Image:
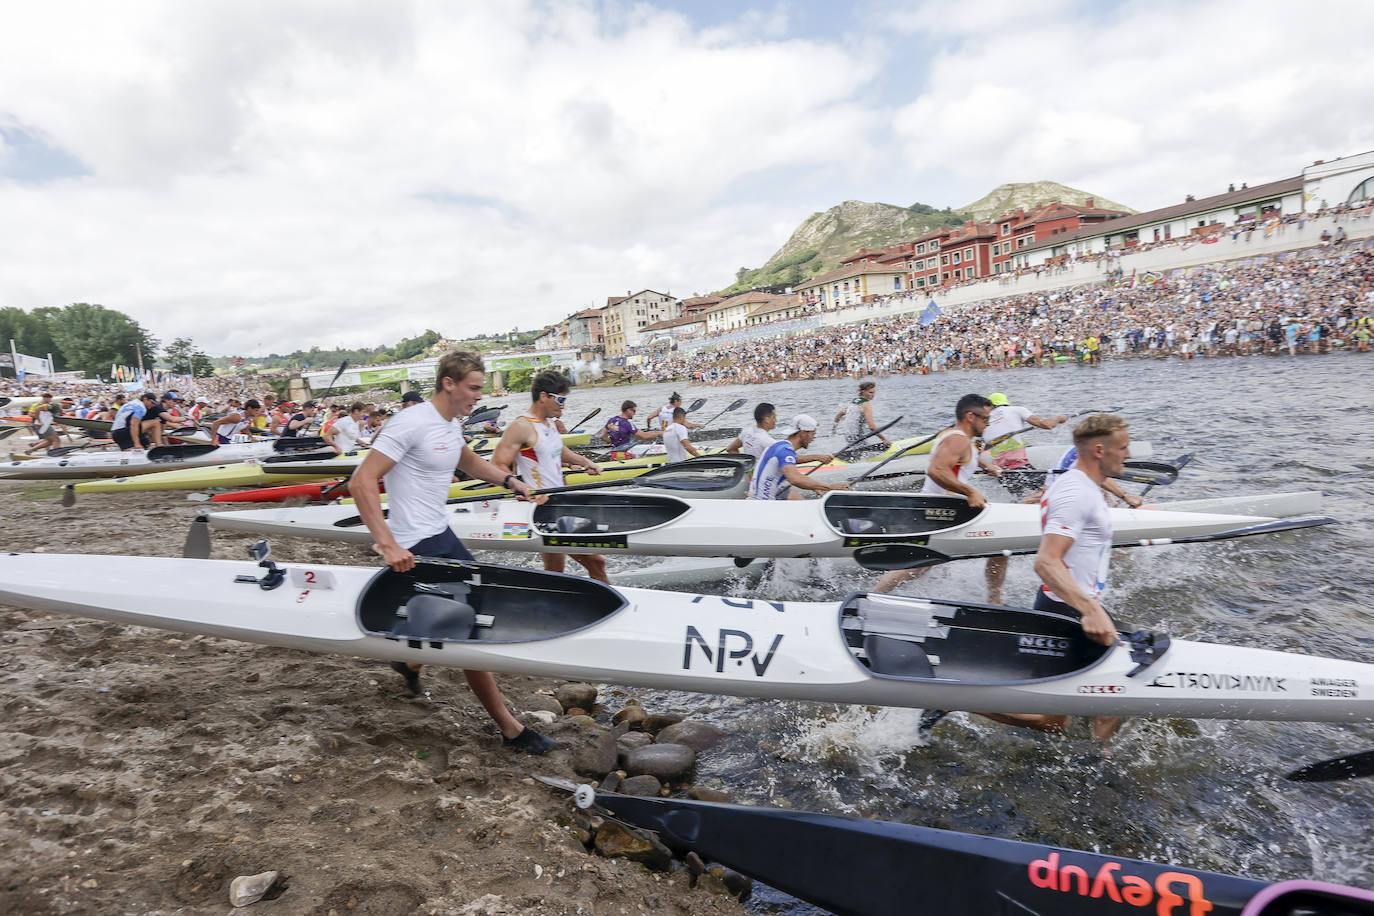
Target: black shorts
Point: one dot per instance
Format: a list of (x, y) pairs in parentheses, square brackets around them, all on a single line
[(444, 544), (125, 439), (1043, 602)]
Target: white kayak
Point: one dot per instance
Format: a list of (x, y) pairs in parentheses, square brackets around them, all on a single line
[(868, 649), (162, 458), (687, 572), (653, 523)]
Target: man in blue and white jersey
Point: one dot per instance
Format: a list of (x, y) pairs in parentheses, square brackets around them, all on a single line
[(776, 472)]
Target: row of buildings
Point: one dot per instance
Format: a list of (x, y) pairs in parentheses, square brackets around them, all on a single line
[(1020, 240)]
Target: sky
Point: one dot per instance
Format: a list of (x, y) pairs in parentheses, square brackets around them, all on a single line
[(267, 175)]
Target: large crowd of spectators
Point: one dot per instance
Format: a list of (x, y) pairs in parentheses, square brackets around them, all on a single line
[(1295, 303)]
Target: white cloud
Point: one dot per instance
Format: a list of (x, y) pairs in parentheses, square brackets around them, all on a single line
[(1142, 103), (299, 173)]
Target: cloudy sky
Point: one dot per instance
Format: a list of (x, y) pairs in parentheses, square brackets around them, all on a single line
[(262, 176)]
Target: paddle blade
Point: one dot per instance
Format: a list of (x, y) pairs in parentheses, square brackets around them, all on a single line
[(1154, 473), (197, 546), (1351, 766), (696, 405), (886, 557), (68, 496)]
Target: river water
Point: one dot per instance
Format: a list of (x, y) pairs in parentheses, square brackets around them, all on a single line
[(1205, 794)]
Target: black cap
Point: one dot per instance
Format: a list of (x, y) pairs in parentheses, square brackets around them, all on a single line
[(152, 396), (412, 397)]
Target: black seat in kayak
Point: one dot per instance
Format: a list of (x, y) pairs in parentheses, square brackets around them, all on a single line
[(431, 617), (897, 657), (573, 524), (861, 526)]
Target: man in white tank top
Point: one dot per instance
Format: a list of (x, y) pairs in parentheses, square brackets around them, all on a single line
[(954, 459), (533, 450)]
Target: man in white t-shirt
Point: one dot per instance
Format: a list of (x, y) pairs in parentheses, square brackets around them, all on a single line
[(416, 454), (346, 431), (675, 438), (1076, 546), (756, 439)]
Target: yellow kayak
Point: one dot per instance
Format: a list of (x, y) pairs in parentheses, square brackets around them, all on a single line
[(240, 474)]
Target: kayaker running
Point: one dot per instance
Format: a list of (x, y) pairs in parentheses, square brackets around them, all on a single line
[(855, 420), (775, 473), (1008, 452), (532, 449), (954, 458), (620, 431), (416, 454), (665, 413), (1075, 549)]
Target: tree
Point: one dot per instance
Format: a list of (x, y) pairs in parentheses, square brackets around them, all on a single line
[(92, 337), (30, 332), (183, 358)]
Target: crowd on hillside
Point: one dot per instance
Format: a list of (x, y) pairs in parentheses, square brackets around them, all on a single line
[(1308, 303)]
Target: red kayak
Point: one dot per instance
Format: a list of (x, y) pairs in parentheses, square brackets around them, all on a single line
[(337, 489)]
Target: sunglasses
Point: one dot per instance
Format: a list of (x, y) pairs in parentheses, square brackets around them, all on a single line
[(560, 399), (985, 417)]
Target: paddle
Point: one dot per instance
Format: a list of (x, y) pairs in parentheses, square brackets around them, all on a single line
[(873, 470), (8, 431), (1179, 464), (579, 423), (482, 416), (708, 468), (851, 446), (1025, 429), (734, 405), (342, 366), (1154, 473), (692, 408), (1349, 766), (884, 557), (715, 472)]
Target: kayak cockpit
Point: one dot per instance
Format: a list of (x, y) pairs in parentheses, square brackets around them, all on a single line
[(924, 639), (451, 601), (606, 513), (876, 517)]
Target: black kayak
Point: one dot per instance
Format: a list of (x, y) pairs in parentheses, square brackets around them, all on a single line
[(856, 867)]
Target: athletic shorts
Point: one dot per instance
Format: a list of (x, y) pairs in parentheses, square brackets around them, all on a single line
[(125, 439), (1043, 602), (444, 544)]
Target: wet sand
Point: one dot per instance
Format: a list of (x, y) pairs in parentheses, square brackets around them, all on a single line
[(142, 770)]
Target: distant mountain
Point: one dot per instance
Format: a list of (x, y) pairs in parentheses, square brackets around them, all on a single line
[(824, 239), (1028, 194)]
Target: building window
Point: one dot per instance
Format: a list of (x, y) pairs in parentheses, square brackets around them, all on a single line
[(1168, 231), (1363, 191), (935, 246), (957, 254), (968, 273), (1006, 228), (944, 260), (896, 282)]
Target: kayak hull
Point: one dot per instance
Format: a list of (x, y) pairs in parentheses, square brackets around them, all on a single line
[(975, 657), (131, 463), (644, 522)]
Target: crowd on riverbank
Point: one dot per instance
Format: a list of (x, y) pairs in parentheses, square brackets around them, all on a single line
[(1292, 304)]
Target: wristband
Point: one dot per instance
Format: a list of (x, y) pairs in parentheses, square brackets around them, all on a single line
[(506, 482)]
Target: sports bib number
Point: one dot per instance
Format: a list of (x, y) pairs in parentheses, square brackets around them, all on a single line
[(311, 578)]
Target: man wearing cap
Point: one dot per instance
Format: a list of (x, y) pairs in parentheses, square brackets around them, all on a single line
[(297, 423), (411, 398), (127, 428), (776, 474), (1005, 447)]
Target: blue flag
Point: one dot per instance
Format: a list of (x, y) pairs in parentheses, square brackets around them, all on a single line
[(930, 314)]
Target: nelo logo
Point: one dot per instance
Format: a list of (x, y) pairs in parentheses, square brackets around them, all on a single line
[(1043, 642), (1137, 891), (1101, 688)]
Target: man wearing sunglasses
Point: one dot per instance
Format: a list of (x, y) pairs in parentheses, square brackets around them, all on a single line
[(954, 459), (532, 449)]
